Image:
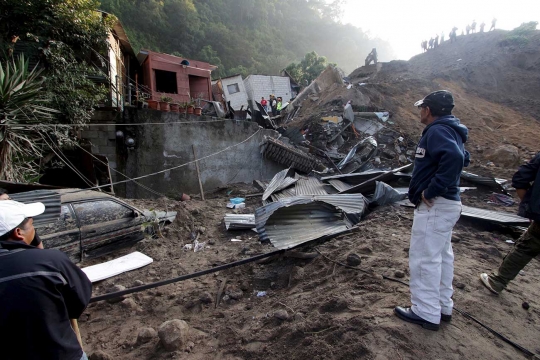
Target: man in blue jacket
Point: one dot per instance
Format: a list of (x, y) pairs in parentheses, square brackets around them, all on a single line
[(528, 245), (434, 189)]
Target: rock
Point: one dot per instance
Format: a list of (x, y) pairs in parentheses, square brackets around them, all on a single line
[(190, 345), (377, 160), (234, 293), (244, 286), (145, 335), (525, 305), (399, 274), (398, 149), (206, 298), (353, 259), (402, 159), (202, 229), (410, 152), (129, 304), (116, 288), (281, 315), (100, 355), (211, 242), (460, 286), (389, 154), (138, 283), (505, 155), (173, 334)]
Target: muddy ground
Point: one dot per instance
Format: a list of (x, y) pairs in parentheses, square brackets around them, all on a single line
[(332, 312)]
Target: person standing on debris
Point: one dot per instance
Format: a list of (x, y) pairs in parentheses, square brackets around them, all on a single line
[(482, 25), (442, 37), (273, 104), (453, 34), (527, 246), (436, 41), (279, 105), (468, 29), (424, 45), (430, 43), (40, 291), (372, 56), (473, 27), (493, 23), (264, 104), (434, 189)]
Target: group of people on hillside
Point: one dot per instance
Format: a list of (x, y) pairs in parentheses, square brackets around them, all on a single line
[(469, 29), (272, 106)]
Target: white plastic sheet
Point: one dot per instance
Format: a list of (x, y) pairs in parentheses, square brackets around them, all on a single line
[(117, 266)]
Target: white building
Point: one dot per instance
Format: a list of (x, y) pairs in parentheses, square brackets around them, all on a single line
[(258, 86), (234, 91)]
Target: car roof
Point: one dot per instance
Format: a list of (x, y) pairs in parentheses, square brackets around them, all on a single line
[(72, 195)]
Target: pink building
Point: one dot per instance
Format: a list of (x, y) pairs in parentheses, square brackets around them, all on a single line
[(175, 77)]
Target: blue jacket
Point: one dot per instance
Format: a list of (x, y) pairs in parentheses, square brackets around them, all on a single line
[(527, 174), (440, 158)]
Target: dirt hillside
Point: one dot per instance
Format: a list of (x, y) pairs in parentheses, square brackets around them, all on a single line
[(315, 308)]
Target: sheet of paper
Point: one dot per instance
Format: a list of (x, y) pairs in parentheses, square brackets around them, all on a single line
[(117, 266)]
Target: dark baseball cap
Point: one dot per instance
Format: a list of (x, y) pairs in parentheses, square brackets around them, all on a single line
[(441, 100)]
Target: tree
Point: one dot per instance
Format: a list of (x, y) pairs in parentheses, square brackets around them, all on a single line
[(308, 69)]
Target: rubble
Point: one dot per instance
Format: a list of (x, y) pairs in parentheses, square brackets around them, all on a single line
[(173, 334)]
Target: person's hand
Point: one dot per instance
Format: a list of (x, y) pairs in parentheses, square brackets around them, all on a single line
[(428, 202)]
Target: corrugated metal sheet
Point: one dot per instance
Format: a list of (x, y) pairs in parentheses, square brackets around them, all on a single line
[(239, 221), (49, 198), (285, 193), (354, 205), (339, 185), (498, 217), (484, 180), (281, 180), (294, 221), (368, 186), (310, 186)]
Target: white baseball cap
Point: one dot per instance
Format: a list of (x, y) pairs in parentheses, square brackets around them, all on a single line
[(13, 213)]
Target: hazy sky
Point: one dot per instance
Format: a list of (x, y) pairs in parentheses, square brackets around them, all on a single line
[(405, 23)]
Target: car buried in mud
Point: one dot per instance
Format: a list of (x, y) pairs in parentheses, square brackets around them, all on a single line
[(86, 224)]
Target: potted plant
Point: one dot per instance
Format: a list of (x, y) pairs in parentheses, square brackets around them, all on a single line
[(175, 106), (191, 107), (198, 108), (164, 103), (153, 104)]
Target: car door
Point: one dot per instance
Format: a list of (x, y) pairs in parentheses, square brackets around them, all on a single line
[(107, 225), (62, 234)]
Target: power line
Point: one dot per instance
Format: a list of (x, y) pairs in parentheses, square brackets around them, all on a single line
[(117, 124)]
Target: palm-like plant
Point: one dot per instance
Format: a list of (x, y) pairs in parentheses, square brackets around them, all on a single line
[(22, 104)]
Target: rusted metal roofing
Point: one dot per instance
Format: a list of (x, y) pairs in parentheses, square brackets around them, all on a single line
[(49, 198), (310, 186), (239, 221), (281, 180), (294, 221), (354, 205)]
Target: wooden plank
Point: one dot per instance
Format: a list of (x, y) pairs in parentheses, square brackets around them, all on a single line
[(198, 172)]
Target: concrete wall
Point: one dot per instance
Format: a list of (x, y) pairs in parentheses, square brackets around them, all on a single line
[(103, 137), (258, 86), (160, 147), (238, 99)]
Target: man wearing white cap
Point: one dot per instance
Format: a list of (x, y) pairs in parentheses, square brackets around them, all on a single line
[(40, 291)]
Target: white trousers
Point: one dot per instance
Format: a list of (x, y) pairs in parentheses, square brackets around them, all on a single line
[(431, 259)]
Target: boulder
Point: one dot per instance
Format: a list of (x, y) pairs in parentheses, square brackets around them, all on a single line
[(145, 335), (353, 259), (173, 334), (505, 155), (100, 355)]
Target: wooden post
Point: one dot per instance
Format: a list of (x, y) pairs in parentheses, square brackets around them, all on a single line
[(198, 172)]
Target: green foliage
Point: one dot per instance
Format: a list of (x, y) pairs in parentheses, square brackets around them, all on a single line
[(308, 69), (67, 36), (245, 36), (22, 102), (520, 36)]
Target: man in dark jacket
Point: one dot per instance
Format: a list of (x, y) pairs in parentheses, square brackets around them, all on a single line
[(528, 245), (40, 291), (434, 189)]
